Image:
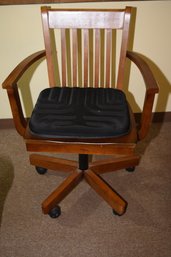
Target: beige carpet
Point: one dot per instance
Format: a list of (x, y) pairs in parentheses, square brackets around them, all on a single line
[(87, 226)]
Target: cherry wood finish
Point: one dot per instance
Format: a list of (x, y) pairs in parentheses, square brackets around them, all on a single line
[(86, 20), (106, 192), (79, 147), (62, 191), (85, 30), (52, 163), (114, 164)]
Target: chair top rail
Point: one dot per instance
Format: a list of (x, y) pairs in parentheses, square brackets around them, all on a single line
[(87, 19)]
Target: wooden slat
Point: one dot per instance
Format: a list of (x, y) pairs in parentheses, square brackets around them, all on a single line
[(91, 57), (102, 56), (47, 40), (108, 56), (74, 56), (86, 47), (63, 48), (124, 45), (80, 57), (68, 56), (113, 58), (97, 56)]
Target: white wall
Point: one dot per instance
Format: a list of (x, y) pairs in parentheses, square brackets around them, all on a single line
[(21, 35)]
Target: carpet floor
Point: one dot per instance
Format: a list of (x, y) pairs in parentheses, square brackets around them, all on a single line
[(87, 226)]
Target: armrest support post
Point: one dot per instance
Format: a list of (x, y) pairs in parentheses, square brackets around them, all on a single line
[(10, 84), (151, 90), (15, 103), (146, 115)]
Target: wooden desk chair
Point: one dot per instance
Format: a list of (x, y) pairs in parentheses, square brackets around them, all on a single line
[(83, 111)]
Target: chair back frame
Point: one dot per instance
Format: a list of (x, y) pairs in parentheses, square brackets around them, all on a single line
[(83, 24)]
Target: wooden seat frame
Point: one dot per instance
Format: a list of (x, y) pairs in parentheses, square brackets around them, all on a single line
[(122, 149)]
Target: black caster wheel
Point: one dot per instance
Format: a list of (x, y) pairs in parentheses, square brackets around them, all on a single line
[(116, 214), (41, 170), (130, 169), (55, 212)]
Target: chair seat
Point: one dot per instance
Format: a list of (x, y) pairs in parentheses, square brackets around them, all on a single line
[(80, 113)]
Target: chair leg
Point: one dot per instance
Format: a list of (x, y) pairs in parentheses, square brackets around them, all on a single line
[(106, 192), (52, 163), (92, 176), (115, 164), (62, 191)]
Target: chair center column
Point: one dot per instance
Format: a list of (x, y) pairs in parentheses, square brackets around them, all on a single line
[(83, 161)]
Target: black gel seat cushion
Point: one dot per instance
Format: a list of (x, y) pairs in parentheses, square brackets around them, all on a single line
[(80, 113)]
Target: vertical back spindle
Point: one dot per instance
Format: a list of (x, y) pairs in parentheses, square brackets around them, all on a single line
[(97, 56), (108, 56), (102, 56), (63, 47), (74, 56), (86, 48)]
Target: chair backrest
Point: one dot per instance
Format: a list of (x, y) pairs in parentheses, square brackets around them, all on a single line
[(87, 42)]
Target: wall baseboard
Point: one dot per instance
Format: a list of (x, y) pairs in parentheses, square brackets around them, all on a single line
[(157, 117), (6, 124)]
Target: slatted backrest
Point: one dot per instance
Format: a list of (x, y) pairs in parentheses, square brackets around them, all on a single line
[(87, 45)]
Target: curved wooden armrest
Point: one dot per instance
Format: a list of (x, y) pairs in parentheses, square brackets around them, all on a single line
[(10, 84), (151, 89), (19, 70)]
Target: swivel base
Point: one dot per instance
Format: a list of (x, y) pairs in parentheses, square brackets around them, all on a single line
[(90, 172)]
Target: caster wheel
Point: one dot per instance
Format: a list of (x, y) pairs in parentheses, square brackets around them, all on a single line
[(41, 170), (130, 169), (55, 212), (116, 214)]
